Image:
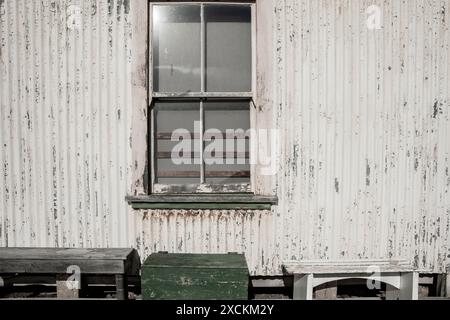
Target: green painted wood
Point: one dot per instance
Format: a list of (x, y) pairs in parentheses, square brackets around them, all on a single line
[(205, 202), (235, 261), (201, 206), (195, 277), (205, 198), (57, 260)]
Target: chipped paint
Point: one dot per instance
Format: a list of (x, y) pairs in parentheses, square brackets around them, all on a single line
[(363, 117), (62, 158)]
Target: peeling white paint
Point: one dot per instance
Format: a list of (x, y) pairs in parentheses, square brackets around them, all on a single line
[(363, 116)]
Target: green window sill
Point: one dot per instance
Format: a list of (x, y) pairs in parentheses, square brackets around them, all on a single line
[(203, 202)]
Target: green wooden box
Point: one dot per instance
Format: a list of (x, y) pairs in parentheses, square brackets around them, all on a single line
[(195, 277)]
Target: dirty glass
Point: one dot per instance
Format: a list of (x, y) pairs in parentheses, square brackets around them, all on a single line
[(177, 147), (228, 48), (227, 142), (176, 48)]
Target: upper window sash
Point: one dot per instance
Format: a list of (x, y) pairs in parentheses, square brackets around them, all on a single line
[(208, 53)]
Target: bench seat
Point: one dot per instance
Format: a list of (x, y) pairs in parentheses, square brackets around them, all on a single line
[(35, 262)]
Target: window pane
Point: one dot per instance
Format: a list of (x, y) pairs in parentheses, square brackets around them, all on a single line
[(226, 142), (176, 48), (228, 48), (176, 151)]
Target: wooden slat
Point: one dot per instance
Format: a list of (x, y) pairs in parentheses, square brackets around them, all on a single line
[(201, 206), (50, 279), (57, 261), (63, 253), (91, 266), (342, 267), (216, 198)]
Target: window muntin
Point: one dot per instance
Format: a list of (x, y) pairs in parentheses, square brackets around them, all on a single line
[(202, 83)]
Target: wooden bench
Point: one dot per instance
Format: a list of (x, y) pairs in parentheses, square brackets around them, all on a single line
[(63, 265), (311, 274)]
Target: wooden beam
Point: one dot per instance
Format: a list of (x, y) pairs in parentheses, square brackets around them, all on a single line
[(205, 198), (59, 261), (200, 206), (121, 287)]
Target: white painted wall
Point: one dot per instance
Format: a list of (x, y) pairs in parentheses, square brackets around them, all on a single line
[(363, 115)]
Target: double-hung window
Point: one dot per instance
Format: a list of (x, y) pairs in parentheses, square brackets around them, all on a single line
[(201, 87)]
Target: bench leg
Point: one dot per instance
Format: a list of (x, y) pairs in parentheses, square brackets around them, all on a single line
[(121, 287), (303, 287), (409, 286)]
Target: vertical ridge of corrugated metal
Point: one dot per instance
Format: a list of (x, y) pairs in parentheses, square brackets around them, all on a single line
[(363, 116), (208, 231), (65, 123)]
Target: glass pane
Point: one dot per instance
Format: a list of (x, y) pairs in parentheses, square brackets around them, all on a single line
[(228, 48), (227, 145), (176, 48), (177, 147)]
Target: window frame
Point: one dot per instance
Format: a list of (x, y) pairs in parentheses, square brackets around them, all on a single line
[(200, 188)]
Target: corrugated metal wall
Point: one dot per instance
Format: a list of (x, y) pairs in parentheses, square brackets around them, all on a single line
[(363, 115), (65, 122), (210, 231)]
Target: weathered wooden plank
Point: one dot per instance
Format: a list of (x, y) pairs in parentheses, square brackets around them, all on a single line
[(201, 206), (195, 277), (121, 287), (64, 253), (62, 266), (50, 279), (51, 260), (207, 198), (342, 267), (206, 202), (204, 261)]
